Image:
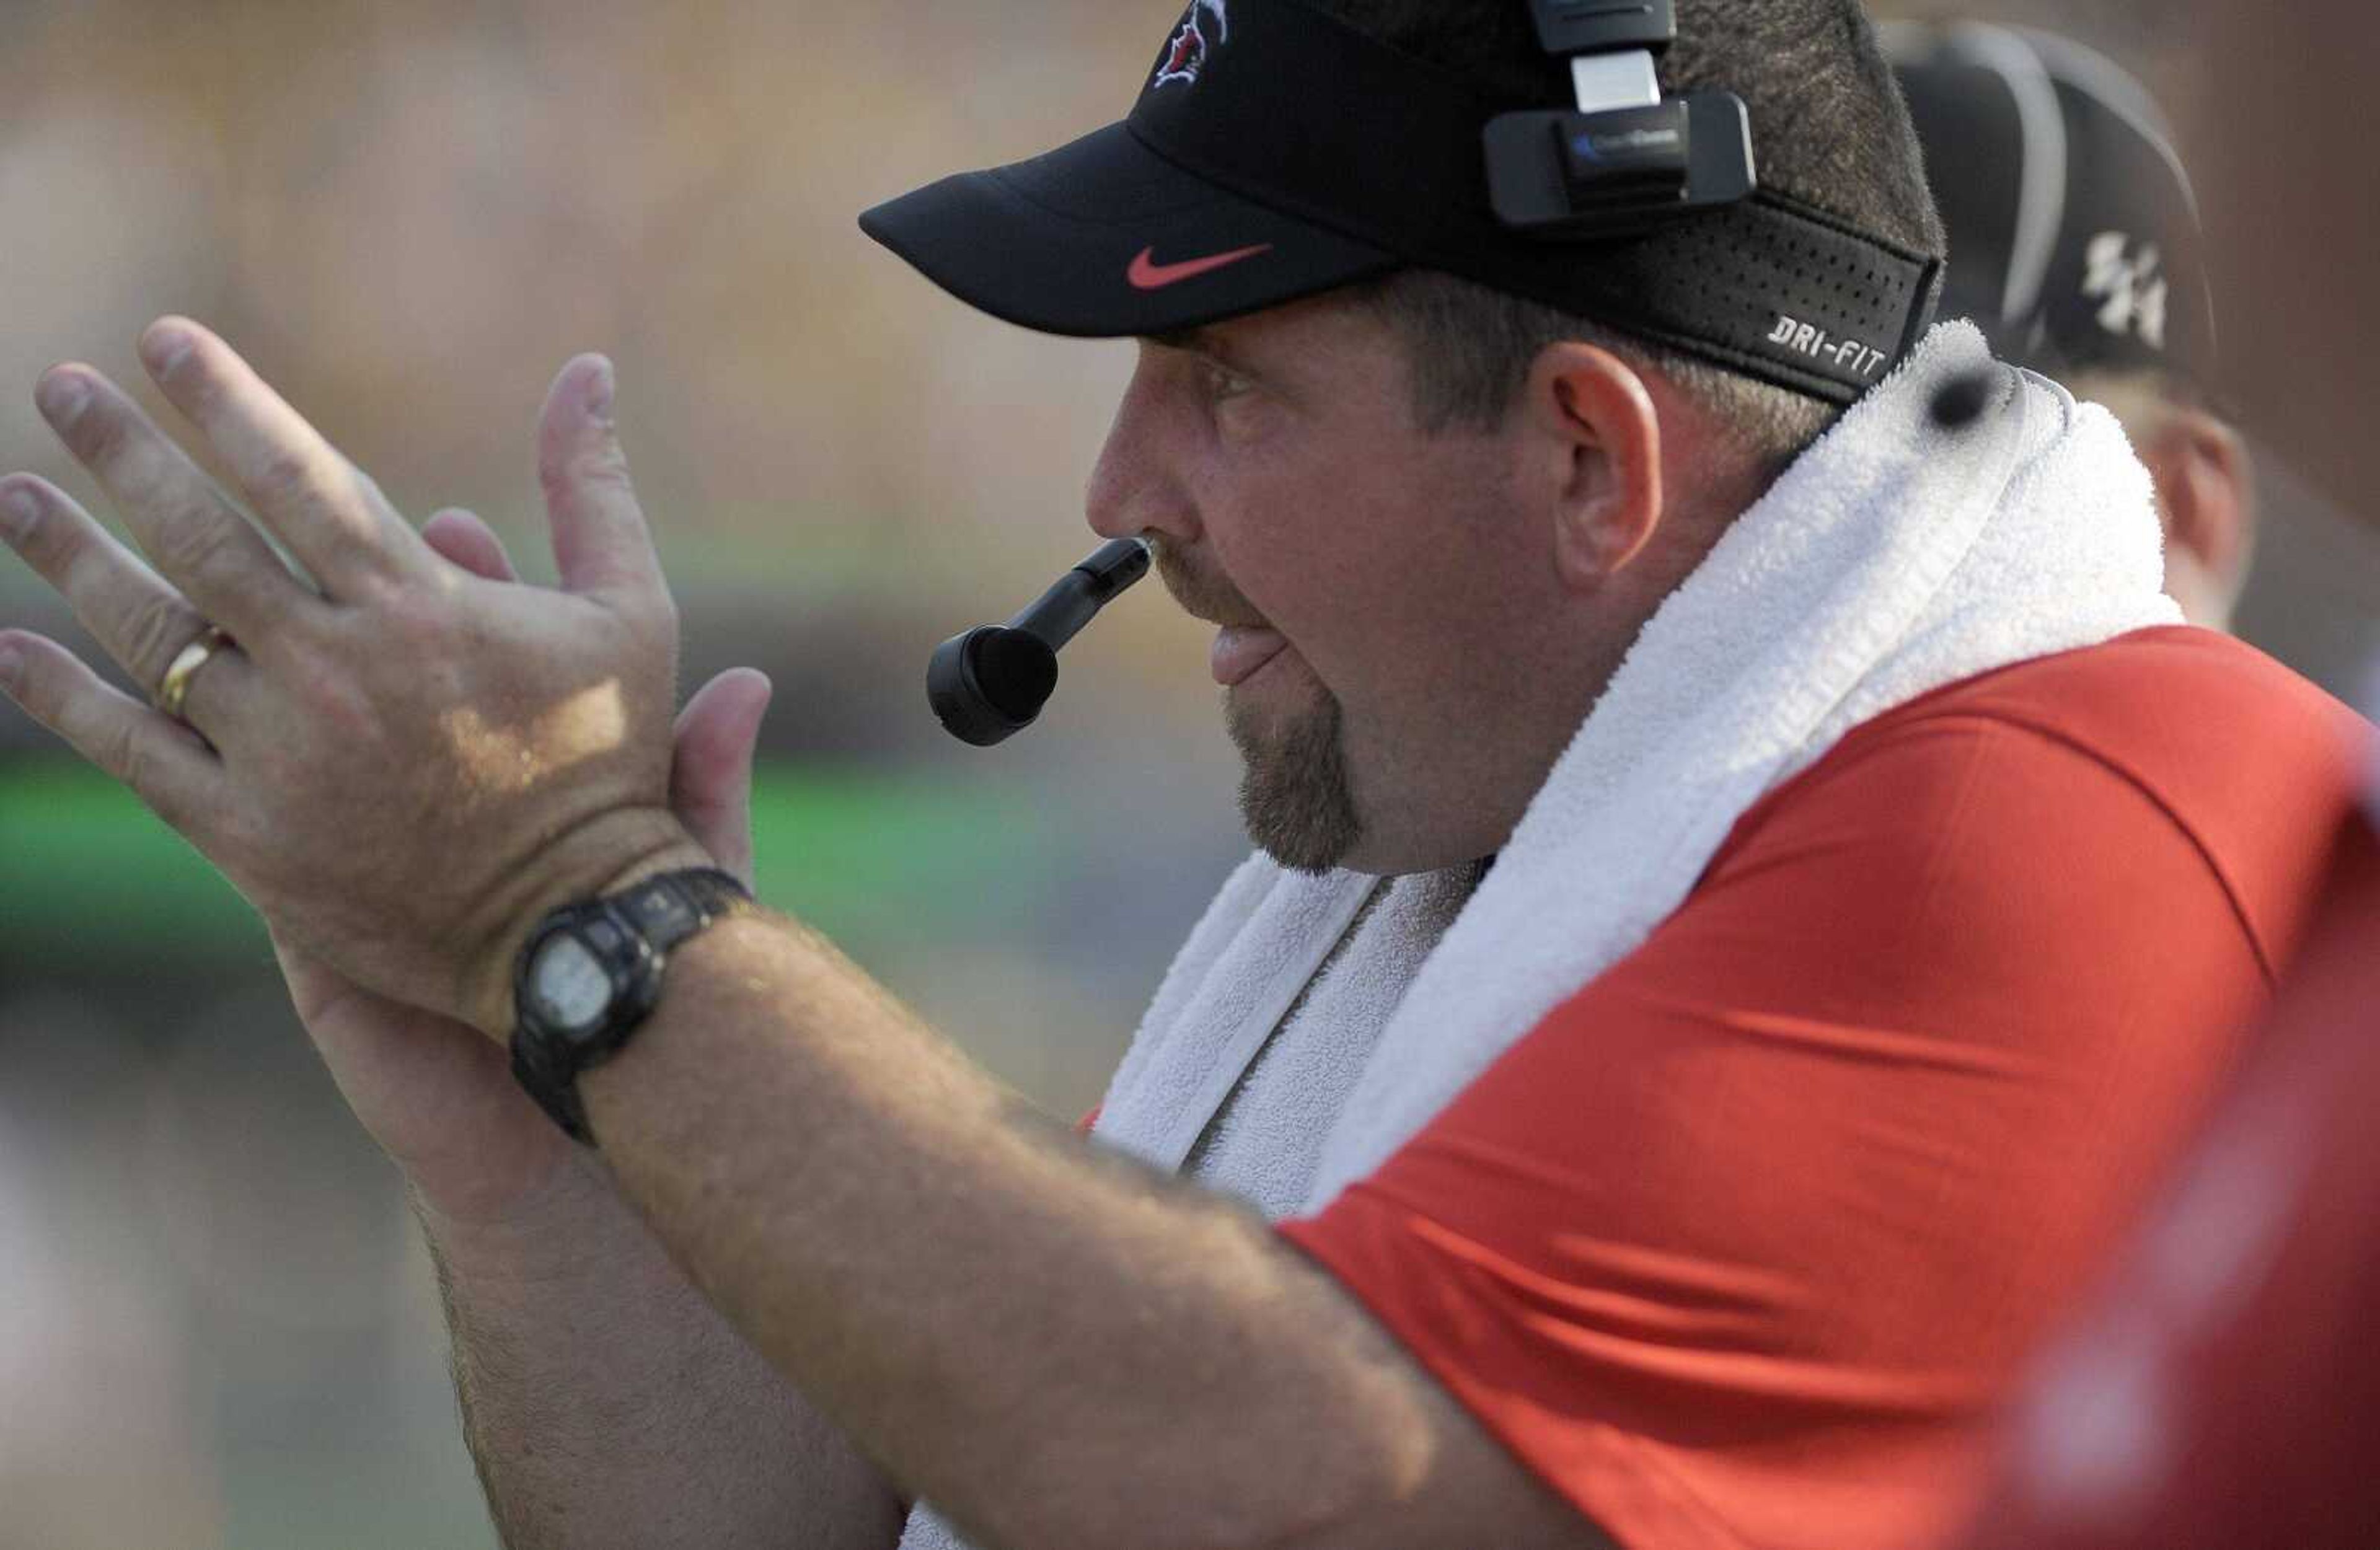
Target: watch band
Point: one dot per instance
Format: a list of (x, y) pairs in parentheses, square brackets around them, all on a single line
[(556, 1094), (668, 909), (632, 934)]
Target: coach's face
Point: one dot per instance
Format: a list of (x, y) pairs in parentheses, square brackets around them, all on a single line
[(1404, 652)]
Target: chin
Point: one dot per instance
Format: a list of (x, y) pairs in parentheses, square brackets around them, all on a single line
[(1297, 798)]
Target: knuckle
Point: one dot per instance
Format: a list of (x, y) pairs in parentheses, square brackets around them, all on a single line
[(602, 469), (145, 469), (87, 564), (557, 479), (284, 477), (37, 690), (333, 699), (200, 387), (101, 438), (643, 628), (419, 618), (315, 685), (388, 600), (197, 542), (367, 488), (51, 544), (123, 753), (606, 466), (153, 630)]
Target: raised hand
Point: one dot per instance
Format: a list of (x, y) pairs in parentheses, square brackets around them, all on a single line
[(439, 1097), (404, 764)]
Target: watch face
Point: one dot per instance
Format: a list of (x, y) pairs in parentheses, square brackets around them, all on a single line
[(571, 988)]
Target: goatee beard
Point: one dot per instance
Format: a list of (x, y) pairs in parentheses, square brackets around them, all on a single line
[(1295, 796)]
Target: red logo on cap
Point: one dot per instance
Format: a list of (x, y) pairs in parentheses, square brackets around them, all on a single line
[(1148, 274), (1187, 54)]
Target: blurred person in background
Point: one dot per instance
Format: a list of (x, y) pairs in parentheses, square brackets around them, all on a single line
[(2075, 246), (1692, 1023), (2295, 241), (2220, 1389)]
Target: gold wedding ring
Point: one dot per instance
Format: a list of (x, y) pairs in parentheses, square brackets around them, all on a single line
[(198, 654)]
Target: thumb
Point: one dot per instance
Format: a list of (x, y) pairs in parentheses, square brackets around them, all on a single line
[(711, 784), (461, 538), (600, 542)]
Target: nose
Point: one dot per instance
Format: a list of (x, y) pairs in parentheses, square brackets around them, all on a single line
[(1136, 486)]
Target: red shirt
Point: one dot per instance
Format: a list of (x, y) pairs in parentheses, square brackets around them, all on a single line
[(1742, 1245), (2224, 1390)]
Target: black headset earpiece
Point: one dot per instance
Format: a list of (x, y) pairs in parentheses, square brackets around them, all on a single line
[(1627, 158)]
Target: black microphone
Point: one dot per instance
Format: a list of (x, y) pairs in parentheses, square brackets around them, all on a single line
[(990, 683)]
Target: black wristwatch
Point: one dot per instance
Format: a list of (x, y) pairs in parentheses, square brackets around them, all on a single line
[(590, 975)]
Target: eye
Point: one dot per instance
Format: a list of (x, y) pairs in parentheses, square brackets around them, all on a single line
[(1221, 384)]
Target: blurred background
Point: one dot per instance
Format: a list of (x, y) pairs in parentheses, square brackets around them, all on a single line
[(217, 1326)]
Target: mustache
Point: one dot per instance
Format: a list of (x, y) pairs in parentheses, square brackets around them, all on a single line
[(1202, 594)]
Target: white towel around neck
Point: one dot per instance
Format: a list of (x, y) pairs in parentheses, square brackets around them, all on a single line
[(1895, 557)]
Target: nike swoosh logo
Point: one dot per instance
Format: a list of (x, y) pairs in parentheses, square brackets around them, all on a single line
[(1148, 274)]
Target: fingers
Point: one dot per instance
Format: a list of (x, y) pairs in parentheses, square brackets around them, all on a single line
[(333, 518), (600, 542), (136, 618), (173, 511), (461, 538), (711, 785), (166, 765)]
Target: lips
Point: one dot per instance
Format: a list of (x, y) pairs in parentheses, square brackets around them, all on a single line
[(1242, 649)]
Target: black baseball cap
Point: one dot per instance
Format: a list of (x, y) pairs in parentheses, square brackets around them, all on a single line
[(1276, 152), (2075, 240)]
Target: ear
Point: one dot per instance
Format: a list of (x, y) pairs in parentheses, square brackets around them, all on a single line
[(2205, 483), (1598, 441)]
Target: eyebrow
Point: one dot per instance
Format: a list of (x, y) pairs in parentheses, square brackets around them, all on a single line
[(1200, 341)]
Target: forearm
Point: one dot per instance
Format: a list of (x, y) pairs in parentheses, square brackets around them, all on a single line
[(1056, 1346), (607, 1404)]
